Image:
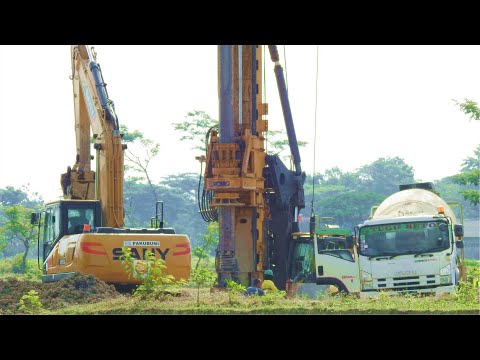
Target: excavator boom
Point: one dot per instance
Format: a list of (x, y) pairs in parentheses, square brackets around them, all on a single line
[(95, 114)]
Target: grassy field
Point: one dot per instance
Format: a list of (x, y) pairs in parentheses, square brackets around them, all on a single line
[(72, 301), (222, 304)]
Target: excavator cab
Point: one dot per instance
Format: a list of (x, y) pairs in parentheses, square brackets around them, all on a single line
[(64, 217)]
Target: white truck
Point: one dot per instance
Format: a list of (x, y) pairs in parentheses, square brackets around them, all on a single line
[(411, 243)]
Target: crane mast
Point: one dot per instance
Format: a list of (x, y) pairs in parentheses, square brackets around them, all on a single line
[(256, 197), (95, 111), (235, 162)]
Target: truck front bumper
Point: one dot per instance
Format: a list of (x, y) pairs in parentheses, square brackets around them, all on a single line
[(436, 291)]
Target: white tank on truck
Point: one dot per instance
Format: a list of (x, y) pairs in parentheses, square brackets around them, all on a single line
[(412, 202)]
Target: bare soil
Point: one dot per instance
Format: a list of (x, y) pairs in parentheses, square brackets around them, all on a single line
[(77, 289)]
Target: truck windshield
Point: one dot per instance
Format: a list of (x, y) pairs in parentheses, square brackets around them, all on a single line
[(404, 238)]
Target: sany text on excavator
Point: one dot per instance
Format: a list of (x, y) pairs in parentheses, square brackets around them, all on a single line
[(85, 231)]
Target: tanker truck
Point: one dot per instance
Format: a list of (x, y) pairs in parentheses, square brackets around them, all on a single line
[(411, 243)]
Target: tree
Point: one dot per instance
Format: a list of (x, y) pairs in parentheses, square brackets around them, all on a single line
[(277, 142), (195, 128), (208, 243), (18, 228), (384, 175), (349, 196), (156, 282), (181, 209), (470, 178), (204, 275), (449, 190), (198, 123), (349, 208), (472, 162), (186, 183), (470, 108), (470, 174), (10, 196), (140, 163)]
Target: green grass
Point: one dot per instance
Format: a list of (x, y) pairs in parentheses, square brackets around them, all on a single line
[(465, 301), (218, 302), (10, 267), (472, 262)]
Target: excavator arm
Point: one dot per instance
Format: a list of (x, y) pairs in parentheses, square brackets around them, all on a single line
[(95, 113)]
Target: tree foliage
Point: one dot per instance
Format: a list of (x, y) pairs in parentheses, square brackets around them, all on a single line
[(198, 123), (470, 173), (470, 108), (472, 162), (180, 206), (277, 142), (20, 196), (384, 175), (349, 196), (30, 303), (18, 228), (450, 189), (471, 177), (156, 282), (139, 161), (349, 208), (208, 243), (195, 128)]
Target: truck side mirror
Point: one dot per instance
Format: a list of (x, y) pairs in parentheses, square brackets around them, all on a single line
[(458, 230), (33, 218), (459, 244), (349, 242)]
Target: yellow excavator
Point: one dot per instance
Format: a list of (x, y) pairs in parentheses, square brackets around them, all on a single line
[(84, 232)]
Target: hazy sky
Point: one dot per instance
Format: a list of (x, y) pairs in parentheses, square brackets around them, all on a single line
[(373, 101)]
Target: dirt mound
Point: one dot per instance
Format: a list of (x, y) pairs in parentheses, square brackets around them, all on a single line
[(76, 289)]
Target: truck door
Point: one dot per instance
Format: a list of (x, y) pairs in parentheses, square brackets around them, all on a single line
[(336, 265)]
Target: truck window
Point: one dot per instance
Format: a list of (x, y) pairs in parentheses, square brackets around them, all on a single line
[(401, 238)]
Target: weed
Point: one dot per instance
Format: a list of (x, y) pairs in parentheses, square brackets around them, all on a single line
[(156, 282), (30, 303), (202, 276), (234, 289)]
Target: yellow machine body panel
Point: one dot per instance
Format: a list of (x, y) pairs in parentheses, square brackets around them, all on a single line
[(99, 254)]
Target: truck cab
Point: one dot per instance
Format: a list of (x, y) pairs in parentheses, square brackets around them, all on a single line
[(411, 243), (331, 241), (408, 254)]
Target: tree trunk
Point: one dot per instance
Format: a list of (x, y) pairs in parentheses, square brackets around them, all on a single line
[(151, 186), (24, 259)]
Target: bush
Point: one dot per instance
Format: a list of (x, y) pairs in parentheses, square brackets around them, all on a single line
[(30, 303), (272, 297), (467, 292), (156, 283), (11, 267), (234, 290)]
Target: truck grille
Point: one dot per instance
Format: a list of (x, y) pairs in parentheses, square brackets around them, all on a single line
[(407, 282)]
